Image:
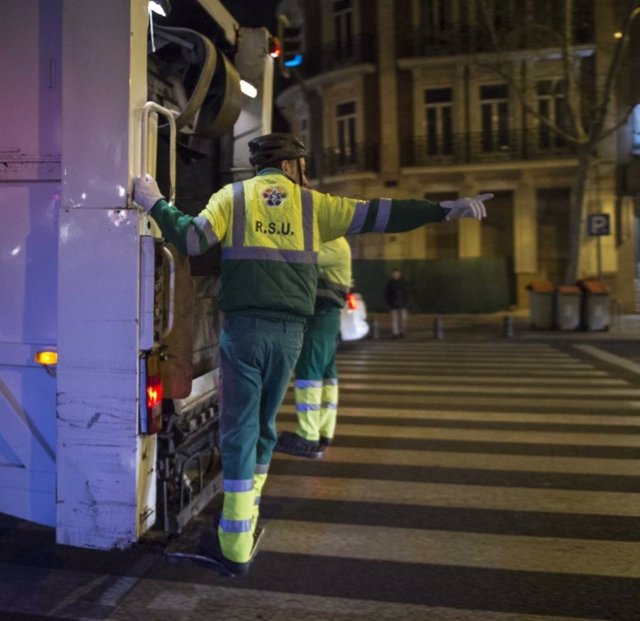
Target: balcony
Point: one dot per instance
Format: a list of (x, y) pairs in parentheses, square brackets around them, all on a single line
[(474, 40), (338, 55), (484, 148), (361, 157)]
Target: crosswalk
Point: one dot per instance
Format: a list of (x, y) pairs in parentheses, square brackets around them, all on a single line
[(503, 478), (469, 481)]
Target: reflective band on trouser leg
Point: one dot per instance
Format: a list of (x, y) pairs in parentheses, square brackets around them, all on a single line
[(329, 409), (235, 531), (259, 480), (308, 395)]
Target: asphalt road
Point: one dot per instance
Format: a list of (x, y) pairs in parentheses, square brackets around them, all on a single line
[(475, 478)]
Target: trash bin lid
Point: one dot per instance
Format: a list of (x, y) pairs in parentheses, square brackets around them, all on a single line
[(541, 286), (569, 290), (592, 285)]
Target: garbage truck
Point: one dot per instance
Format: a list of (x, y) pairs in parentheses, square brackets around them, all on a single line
[(108, 337)]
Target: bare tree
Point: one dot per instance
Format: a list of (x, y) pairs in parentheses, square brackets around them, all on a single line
[(587, 103)]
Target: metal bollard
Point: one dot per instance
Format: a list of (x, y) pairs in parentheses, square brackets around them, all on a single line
[(438, 328), (375, 329), (507, 326)]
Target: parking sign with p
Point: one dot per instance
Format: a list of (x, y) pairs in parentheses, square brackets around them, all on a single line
[(598, 224)]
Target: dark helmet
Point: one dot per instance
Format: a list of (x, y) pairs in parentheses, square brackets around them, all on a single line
[(270, 149)]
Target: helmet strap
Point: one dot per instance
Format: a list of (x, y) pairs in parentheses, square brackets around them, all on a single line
[(299, 172), (292, 176)]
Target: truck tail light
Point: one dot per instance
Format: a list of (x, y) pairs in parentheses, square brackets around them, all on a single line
[(352, 301), (152, 412)]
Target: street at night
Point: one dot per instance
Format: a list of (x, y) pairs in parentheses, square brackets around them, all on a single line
[(473, 478), (320, 310)]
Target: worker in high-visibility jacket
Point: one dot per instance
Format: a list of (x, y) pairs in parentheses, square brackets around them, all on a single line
[(270, 228), (316, 374)]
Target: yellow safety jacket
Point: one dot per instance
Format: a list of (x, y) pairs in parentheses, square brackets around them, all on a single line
[(334, 274), (271, 230)]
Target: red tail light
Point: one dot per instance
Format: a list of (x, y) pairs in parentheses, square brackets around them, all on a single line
[(352, 301), (154, 393), (154, 396)]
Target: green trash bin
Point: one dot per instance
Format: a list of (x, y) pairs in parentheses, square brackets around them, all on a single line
[(541, 304), (568, 307), (595, 305)]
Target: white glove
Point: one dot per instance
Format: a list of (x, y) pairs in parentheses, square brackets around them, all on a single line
[(466, 207), (146, 192)]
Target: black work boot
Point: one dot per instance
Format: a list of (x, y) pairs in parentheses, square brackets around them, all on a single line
[(293, 444)]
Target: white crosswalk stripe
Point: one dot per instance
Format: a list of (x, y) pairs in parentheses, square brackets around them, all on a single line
[(532, 433)]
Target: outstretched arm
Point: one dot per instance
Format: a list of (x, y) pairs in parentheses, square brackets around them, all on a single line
[(385, 215)]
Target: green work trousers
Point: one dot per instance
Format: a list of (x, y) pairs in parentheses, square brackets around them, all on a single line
[(316, 377), (257, 357)]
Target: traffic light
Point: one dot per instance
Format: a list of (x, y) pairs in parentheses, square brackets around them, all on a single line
[(291, 46), (291, 43)]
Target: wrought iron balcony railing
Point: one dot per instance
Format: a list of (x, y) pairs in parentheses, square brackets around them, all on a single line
[(472, 40), (336, 55), (360, 157), (482, 147)]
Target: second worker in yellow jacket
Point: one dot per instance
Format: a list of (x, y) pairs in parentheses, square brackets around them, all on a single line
[(316, 374)]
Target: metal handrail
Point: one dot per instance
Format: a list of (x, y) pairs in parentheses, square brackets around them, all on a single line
[(172, 292), (147, 109)]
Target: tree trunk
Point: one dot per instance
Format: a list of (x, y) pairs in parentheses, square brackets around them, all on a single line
[(577, 211)]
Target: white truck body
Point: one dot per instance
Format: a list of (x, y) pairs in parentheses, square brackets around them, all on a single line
[(74, 82)]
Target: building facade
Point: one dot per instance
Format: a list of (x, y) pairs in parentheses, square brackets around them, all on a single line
[(442, 98)]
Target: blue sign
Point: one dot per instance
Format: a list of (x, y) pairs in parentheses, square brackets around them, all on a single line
[(598, 224)]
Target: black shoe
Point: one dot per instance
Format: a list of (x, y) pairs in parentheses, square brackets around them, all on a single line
[(206, 551), (240, 569), (325, 442), (232, 567), (210, 547), (293, 444)]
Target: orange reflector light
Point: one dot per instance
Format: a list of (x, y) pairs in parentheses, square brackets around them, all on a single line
[(46, 357), (352, 302)]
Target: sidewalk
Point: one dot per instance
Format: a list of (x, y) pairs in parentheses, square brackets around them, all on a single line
[(514, 324)]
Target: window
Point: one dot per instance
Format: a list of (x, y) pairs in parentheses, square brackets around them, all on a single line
[(494, 107), (343, 27), (436, 16), (548, 12), (552, 105), (438, 119), (346, 126), (498, 17)]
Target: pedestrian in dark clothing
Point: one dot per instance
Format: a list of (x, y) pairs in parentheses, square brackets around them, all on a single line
[(397, 300)]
